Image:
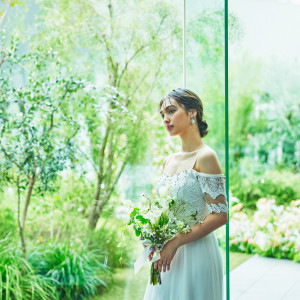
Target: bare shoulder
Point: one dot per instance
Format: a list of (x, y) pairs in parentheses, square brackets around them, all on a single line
[(208, 161)]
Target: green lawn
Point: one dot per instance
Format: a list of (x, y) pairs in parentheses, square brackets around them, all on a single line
[(125, 285)]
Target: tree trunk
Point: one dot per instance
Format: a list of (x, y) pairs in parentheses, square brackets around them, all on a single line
[(22, 222), (114, 79), (94, 215), (109, 188), (99, 205)]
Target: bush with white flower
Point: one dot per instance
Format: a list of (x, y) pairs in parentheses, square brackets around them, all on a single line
[(273, 230)]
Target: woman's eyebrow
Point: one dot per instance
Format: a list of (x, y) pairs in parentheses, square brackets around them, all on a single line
[(168, 107)]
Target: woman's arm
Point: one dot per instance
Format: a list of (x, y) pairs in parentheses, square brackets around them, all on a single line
[(212, 222), (210, 165), (198, 231)]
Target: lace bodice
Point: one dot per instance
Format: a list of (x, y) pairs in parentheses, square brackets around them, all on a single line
[(197, 194)]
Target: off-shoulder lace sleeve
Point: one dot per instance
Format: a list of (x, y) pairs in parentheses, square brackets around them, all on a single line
[(213, 188)]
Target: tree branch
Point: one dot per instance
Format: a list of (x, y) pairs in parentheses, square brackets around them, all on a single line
[(108, 174), (102, 152), (87, 158), (56, 108), (138, 85), (128, 61), (3, 60), (138, 51), (111, 189), (9, 156)]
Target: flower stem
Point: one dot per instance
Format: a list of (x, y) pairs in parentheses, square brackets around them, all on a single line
[(154, 275)]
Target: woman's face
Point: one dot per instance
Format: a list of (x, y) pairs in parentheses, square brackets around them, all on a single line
[(174, 117)]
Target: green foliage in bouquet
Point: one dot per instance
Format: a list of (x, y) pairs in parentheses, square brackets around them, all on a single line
[(154, 218), (154, 222)]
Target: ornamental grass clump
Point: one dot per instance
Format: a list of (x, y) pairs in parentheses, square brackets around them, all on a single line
[(17, 278), (74, 269)]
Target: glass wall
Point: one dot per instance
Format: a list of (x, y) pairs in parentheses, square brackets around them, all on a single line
[(264, 141), (205, 50)]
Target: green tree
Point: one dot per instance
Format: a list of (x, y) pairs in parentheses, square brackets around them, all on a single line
[(36, 128), (124, 43), (8, 40)]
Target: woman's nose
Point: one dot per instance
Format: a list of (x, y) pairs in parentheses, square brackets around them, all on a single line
[(166, 119)]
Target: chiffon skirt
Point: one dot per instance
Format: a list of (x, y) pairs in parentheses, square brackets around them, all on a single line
[(196, 273)]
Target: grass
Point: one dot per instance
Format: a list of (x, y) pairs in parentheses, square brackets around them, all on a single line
[(125, 285), (236, 258), (73, 269), (17, 278)]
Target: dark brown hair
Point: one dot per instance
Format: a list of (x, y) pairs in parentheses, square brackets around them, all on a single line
[(188, 101)]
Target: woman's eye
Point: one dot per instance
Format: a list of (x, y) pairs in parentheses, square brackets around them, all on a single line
[(170, 112)]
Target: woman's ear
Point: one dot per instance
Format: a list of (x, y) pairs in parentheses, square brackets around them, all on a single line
[(193, 113)]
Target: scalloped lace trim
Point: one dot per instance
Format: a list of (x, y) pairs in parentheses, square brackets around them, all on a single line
[(218, 208), (213, 186)]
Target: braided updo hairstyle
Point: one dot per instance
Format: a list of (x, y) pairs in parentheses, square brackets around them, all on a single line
[(188, 101)]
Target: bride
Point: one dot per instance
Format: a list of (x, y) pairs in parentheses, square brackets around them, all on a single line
[(190, 264)]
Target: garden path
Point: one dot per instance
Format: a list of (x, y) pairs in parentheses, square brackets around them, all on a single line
[(263, 278)]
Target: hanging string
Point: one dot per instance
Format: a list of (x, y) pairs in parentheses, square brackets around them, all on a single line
[(184, 43)]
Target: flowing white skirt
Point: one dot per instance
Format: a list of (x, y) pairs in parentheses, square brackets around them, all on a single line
[(196, 273)]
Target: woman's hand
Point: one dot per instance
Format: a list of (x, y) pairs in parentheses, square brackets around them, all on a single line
[(150, 255), (166, 256)]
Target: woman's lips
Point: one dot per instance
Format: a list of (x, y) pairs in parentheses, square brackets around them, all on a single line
[(169, 127)]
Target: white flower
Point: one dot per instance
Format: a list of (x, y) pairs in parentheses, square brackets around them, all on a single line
[(186, 230), (278, 209), (164, 203), (270, 227), (127, 203), (261, 239)]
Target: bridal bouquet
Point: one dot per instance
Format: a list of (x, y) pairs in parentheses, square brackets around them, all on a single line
[(155, 224)]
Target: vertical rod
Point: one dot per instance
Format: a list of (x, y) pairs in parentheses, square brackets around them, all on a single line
[(184, 43), (226, 146)]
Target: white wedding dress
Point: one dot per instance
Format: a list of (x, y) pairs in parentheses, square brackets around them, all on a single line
[(196, 271)]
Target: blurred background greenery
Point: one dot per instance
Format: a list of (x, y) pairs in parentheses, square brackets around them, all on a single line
[(80, 131)]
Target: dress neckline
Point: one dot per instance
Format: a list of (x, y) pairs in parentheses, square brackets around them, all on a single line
[(186, 170)]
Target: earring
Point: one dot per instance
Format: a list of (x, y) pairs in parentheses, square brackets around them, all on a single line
[(193, 120)]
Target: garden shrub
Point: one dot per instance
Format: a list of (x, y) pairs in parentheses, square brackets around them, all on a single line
[(75, 192), (17, 278), (283, 186), (73, 268), (108, 238), (272, 231), (8, 224)]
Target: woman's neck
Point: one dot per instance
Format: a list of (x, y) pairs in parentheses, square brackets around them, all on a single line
[(190, 140), (191, 148)]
